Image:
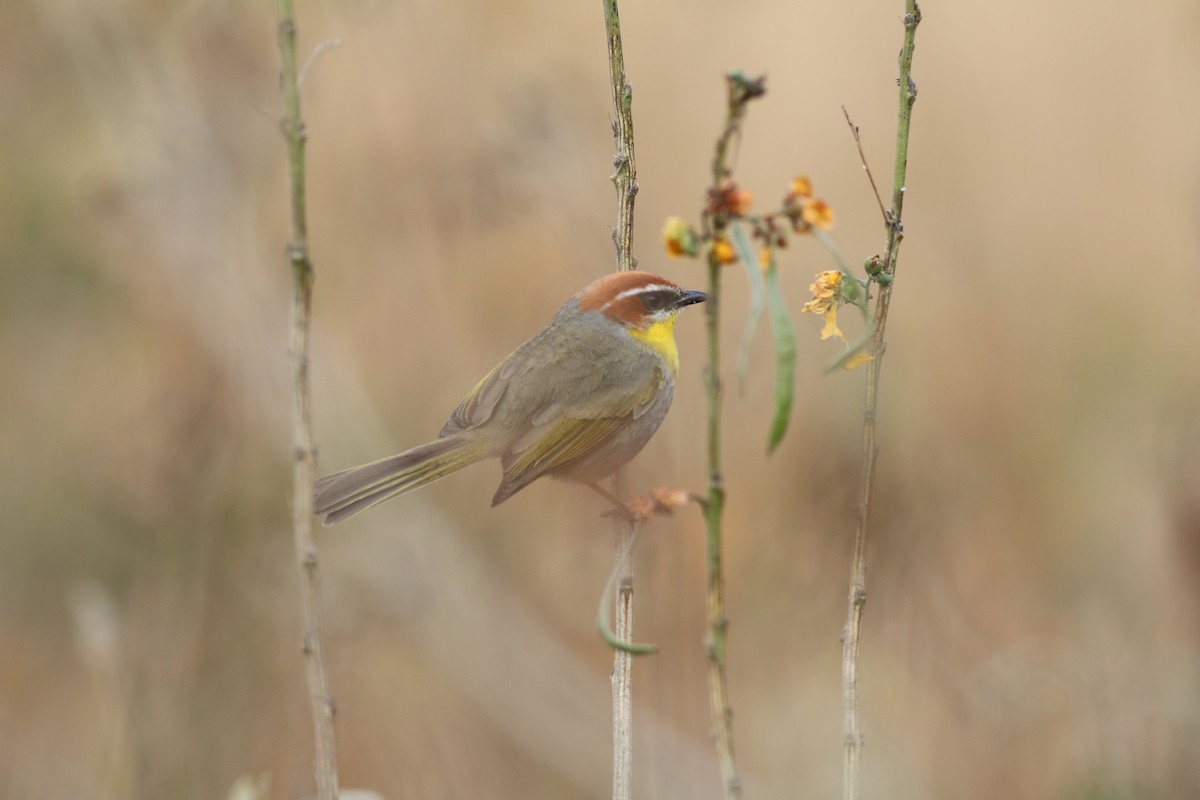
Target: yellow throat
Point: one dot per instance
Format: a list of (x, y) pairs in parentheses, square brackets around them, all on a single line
[(660, 337)]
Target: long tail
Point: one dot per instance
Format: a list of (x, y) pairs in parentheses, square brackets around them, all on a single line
[(346, 493)]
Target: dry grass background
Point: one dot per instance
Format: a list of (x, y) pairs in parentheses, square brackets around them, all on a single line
[(1032, 629)]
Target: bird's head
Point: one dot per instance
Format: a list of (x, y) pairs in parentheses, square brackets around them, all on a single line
[(637, 300), (646, 305)]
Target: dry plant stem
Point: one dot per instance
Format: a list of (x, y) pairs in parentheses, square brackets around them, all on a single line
[(866, 167), (718, 622), (851, 714), (625, 176), (320, 697), (622, 671), (625, 181)]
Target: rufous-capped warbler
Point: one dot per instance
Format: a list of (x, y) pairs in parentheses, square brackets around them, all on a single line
[(577, 401)]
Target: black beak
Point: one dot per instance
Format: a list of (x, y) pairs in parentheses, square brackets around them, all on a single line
[(690, 297)]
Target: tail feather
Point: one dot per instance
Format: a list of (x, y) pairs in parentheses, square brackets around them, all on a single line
[(346, 493)]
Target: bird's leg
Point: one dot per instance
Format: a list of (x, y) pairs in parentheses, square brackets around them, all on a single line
[(618, 506)]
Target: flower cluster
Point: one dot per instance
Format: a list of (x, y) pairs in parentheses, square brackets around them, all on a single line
[(801, 212), (805, 211)]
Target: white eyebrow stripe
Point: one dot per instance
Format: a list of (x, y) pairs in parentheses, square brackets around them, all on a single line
[(649, 287)]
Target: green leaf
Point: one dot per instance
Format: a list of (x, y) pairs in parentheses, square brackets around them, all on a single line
[(608, 605), (785, 356), (745, 252)]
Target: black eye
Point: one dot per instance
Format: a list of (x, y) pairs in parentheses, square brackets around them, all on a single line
[(658, 300)]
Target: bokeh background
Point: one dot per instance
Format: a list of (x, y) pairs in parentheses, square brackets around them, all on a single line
[(1033, 621)]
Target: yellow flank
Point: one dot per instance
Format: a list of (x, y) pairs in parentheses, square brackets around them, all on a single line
[(660, 337)]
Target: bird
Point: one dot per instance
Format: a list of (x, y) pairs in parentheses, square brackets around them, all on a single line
[(576, 402)]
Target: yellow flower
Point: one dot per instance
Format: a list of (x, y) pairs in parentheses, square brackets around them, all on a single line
[(723, 251), (827, 296), (826, 291), (801, 186), (818, 214), (831, 327), (679, 238)]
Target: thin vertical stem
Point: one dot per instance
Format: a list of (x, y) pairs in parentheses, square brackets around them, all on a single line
[(304, 462), (718, 621), (741, 91), (622, 671), (624, 178), (851, 709)]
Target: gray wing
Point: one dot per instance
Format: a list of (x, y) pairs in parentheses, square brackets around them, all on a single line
[(573, 371)]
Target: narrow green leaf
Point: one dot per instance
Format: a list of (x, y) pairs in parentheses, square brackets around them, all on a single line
[(785, 356), (608, 600), (745, 252)]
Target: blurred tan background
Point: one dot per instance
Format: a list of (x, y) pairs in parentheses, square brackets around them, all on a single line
[(1032, 627)]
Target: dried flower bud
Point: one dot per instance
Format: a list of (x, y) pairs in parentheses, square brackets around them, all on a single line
[(818, 214), (738, 200), (670, 498), (728, 199)]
